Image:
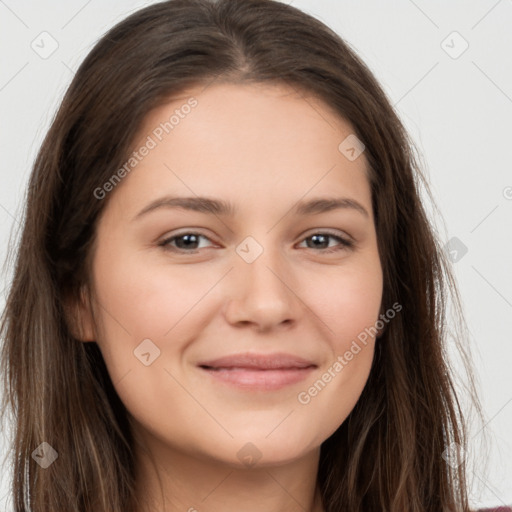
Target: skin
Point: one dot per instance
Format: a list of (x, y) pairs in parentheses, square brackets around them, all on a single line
[(263, 148)]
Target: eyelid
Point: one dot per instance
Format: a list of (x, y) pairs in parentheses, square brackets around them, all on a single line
[(187, 231), (346, 242), (328, 231)]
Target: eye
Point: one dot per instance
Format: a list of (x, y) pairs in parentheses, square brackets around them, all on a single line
[(320, 239), (190, 242), (186, 242)]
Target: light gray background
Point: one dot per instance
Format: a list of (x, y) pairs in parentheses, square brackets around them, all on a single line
[(458, 111)]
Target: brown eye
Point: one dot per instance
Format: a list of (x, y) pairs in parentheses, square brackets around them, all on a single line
[(321, 241), (185, 242)]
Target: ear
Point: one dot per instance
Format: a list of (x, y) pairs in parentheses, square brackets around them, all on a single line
[(79, 316), (380, 332)]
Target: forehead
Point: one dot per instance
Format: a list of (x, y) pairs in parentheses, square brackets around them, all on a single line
[(261, 142)]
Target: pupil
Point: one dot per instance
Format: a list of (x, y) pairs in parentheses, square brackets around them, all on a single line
[(316, 237), (189, 239)]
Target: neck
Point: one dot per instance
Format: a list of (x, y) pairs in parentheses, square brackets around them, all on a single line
[(168, 479)]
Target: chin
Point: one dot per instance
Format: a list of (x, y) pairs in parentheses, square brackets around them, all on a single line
[(258, 451)]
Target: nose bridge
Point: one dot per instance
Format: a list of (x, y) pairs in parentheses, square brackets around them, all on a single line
[(264, 274), (262, 294)]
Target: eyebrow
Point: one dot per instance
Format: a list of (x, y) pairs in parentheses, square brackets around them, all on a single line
[(220, 207)]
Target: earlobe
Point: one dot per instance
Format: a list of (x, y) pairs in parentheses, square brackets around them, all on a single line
[(380, 331), (79, 317)]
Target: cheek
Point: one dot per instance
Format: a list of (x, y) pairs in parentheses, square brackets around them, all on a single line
[(136, 301), (146, 300), (347, 300), (335, 390)]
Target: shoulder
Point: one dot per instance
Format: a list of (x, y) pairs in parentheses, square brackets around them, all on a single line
[(499, 509)]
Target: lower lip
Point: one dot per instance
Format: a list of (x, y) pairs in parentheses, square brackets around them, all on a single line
[(262, 380)]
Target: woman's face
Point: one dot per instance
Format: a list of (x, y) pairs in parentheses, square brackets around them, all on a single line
[(179, 283)]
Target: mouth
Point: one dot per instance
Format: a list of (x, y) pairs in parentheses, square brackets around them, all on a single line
[(259, 372)]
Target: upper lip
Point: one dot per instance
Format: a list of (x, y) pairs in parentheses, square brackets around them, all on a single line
[(258, 361)]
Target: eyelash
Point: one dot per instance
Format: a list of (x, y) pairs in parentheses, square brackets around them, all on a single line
[(344, 243)]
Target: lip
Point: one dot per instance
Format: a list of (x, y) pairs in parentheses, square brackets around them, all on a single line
[(263, 372), (254, 361)]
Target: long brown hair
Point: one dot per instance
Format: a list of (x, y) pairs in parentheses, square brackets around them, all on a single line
[(389, 454)]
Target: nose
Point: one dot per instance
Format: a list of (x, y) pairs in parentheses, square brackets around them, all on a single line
[(262, 294)]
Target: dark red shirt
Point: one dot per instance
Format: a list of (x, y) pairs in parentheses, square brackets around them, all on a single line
[(499, 509)]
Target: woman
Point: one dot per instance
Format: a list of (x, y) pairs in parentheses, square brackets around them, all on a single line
[(259, 370)]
